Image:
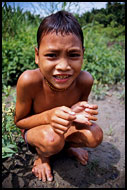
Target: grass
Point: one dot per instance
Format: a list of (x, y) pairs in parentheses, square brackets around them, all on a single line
[(110, 131)]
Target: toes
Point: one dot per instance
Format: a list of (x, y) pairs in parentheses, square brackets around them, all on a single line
[(83, 161), (43, 176), (86, 156), (43, 172), (49, 175), (40, 176), (35, 171), (32, 170), (83, 157)]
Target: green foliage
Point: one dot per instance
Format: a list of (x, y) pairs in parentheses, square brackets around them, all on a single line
[(9, 131), (115, 11), (14, 21), (17, 56), (105, 63), (18, 43)]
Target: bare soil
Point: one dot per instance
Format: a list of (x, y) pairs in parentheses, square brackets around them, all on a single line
[(106, 166)]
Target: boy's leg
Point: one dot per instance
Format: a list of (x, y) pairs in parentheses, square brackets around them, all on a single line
[(47, 143), (80, 135)]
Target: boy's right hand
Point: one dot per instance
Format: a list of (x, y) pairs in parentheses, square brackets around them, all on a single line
[(61, 119)]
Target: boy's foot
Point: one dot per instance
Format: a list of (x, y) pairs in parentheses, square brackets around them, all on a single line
[(79, 153), (42, 169)]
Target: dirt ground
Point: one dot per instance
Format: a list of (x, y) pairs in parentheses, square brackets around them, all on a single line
[(106, 166)]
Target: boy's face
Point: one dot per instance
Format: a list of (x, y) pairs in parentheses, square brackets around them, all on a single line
[(60, 58)]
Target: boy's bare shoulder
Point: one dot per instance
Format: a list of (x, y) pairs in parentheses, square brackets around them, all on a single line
[(85, 78), (85, 82), (29, 78)]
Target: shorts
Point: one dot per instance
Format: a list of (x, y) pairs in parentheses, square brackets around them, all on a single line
[(24, 135)]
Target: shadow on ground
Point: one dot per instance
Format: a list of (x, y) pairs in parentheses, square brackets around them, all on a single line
[(16, 171)]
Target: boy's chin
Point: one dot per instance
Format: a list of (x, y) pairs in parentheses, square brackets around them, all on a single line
[(56, 87)]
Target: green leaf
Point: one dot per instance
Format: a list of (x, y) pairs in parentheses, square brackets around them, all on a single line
[(7, 149)]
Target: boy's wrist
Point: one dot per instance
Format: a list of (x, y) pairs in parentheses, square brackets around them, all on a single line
[(49, 115)]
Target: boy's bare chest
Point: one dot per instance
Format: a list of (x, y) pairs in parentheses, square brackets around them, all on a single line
[(43, 102)]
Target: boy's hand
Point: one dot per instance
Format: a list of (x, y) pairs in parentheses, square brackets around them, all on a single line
[(85, 112), (61, 119)]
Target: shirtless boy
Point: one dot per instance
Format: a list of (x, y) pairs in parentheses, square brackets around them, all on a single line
[(52, 101)]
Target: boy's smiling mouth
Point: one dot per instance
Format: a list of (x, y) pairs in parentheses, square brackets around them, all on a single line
[(62, 76)]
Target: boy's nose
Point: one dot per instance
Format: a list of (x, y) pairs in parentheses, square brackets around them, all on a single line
[(63, 65)]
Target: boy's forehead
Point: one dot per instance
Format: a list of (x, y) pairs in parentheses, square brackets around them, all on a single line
[(58, 38)]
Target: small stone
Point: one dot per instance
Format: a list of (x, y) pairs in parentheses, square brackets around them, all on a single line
[(21, 182), (7, 182)]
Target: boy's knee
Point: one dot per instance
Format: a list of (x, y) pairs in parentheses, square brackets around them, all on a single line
[(44, 138), (98, 136), (52, 142), (95, 136)]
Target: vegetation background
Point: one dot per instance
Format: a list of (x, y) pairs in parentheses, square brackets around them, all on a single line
[(104, 58)]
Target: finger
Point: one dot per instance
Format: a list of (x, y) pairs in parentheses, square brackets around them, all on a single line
[(93, 106), (59, 131), (93, 112), (67, 110), (84, 121), (61, 121), (78, 109), (86, 105), (60, 127), (90, 117), (65, 115), (88, 123)]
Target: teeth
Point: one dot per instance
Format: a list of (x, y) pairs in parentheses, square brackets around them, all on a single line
[(61, 77)]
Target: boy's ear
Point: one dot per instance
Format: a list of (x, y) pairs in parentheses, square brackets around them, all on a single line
[(36, 55)]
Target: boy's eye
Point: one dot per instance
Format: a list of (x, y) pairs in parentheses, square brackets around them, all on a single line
[(52, 55), (74, 55)]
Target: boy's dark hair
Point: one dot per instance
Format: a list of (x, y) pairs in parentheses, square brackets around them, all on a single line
[(63, 22)]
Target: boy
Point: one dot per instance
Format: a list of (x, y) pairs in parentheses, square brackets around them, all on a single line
[(51, 106)]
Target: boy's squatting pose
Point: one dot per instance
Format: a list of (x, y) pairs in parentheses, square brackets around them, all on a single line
[(52, 101)]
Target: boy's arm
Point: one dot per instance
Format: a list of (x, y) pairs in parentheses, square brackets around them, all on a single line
[(24, 105), (85, 85), (83, 110), (59, 117)]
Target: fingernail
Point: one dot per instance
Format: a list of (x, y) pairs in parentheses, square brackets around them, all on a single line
[(72, 113), (87, 109)]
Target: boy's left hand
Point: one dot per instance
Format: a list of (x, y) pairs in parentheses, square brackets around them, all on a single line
[(85, 112)]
